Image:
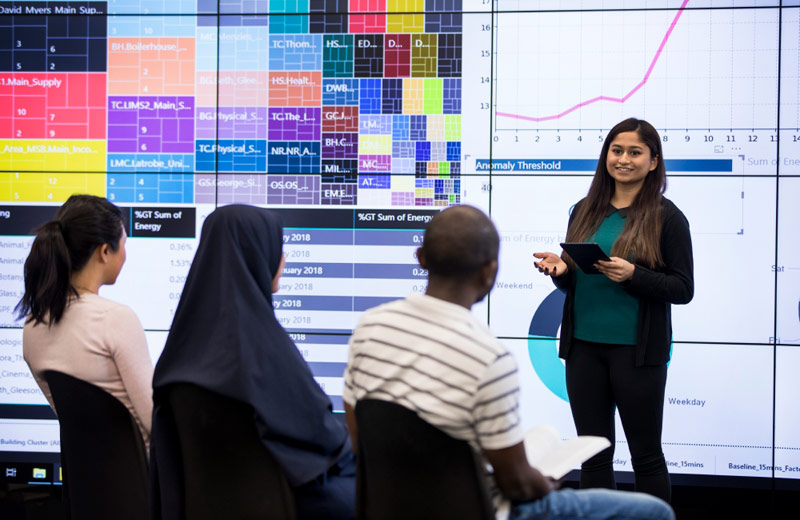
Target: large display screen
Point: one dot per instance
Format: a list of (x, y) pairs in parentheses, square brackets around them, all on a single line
[(357, 120)]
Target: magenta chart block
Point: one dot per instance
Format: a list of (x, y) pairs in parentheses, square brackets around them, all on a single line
[(295, 124), (227, 188), (293, 189), (374, 163), (151, 124), (231, 123)]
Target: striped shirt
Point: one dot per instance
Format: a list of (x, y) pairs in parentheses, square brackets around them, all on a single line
[(436, 359)]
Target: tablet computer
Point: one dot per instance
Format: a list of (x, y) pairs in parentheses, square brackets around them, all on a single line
[(585, 254)]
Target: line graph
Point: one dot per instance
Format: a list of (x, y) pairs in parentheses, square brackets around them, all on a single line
[(596, 99), (683, 68)]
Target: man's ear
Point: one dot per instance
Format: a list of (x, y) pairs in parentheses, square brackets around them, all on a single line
[(489, 273)]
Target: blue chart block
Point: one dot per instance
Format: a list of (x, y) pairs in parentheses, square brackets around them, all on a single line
[(152, 26), (241, 6), (371, 95), (375, 182), (295, 52), (241, 48), (423, 151), (401, 128), (419, 128), (454, 150), (294, 157), (150, 162), (340, 92), (232, 155), (451, 96), (404, 150), (152, 6), (150, 187)]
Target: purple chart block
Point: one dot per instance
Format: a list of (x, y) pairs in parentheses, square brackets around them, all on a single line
[(295, 124), (293, 189), (233, 123), (228, 188), (151, 124), (340, 146)]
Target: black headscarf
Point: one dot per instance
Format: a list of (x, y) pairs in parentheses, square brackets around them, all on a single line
[(225, 338)]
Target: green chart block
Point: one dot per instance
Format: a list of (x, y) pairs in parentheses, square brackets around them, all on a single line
[(452, 128), (432, 103), (337, 56)]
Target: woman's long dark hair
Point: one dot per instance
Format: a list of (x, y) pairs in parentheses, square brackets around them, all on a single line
[(640, 238), (63, 246)]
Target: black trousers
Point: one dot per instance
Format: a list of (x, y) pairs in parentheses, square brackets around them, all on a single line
[(331, 496), (602, 378)]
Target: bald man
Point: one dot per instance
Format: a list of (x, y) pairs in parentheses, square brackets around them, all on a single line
[(430, 354)]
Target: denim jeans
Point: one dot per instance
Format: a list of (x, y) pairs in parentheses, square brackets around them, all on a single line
[(593, 504)]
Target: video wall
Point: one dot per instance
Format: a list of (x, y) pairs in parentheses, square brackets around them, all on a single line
[(357, 120)]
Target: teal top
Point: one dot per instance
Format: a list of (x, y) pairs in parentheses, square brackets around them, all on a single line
[(604, 311)]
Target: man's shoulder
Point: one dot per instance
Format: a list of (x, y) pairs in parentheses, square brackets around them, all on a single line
[(440, 321)]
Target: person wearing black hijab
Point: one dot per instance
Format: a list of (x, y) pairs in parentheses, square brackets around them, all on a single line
[(225, 338)]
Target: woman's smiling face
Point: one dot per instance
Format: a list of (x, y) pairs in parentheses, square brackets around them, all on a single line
[(629, 159)]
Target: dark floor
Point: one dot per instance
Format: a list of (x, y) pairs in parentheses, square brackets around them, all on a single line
[(690, 503)]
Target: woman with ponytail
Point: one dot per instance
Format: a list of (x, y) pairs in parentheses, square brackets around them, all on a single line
[(616, 329), (68, 326)]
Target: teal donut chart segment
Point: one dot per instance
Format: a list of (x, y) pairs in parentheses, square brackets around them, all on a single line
[(544, 357), (542, 345)]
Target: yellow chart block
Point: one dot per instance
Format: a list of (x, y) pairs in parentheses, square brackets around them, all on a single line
[(403, 183), (413, 19), (52, 155), (375, 144), (405, 23), (49, 187)]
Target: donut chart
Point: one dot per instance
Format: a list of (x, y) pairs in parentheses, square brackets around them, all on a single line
[(542, 345)]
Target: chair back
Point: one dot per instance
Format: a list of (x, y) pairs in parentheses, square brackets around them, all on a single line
[(408, 468), (103, 458), (227, 470)]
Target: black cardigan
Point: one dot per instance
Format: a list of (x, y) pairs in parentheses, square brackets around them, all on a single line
[(655, 289)]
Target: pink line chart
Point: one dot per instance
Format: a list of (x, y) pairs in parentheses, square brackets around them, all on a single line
[(607, 98)]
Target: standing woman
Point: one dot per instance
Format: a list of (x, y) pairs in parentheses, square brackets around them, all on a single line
[(617, 329), (68, 326)]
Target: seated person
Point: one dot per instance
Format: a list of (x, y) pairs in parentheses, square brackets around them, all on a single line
[(226, 338), (68, 327), (431, 355)]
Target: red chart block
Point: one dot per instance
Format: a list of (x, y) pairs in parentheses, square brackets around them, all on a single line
[(397, 56), (53, 106)]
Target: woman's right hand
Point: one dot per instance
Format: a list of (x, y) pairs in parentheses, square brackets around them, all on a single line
[(550, 264)]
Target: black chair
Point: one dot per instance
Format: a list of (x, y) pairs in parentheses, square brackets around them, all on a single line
[(408, 468), (103, 458), (227, 471)]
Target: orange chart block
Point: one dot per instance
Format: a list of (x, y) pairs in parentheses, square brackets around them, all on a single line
[(295, 89), (151, 66)]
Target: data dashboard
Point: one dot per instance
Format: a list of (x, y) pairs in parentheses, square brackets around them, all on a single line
[(357, 120)]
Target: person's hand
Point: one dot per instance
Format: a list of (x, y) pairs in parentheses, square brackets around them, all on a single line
[(617, 269), (550, 264)]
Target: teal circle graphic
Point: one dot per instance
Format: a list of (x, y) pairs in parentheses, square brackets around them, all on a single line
[(542, 346)]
